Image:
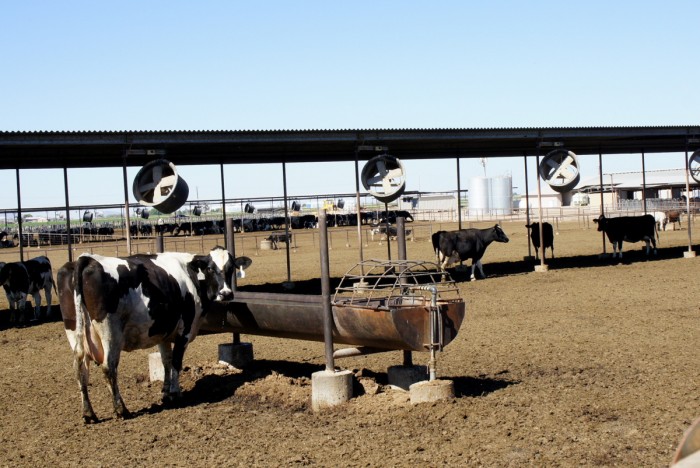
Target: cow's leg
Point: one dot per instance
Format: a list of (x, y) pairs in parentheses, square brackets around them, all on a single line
[(472, 277), (13, 310), (443, 260), (110, 374), (82, 373), (113, 346), (21, 306), (166, 356), (481, 268), (178, 354), (37, 305), (617, 248), (47, 293), (652, 241)]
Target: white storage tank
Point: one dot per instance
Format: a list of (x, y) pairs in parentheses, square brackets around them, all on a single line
[(479, 196), (502, 195)]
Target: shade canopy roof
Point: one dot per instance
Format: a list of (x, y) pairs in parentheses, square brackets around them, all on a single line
[(35, 150)]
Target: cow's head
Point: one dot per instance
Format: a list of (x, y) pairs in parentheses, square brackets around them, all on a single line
[(500, 236), (601, 222), (215, 272)]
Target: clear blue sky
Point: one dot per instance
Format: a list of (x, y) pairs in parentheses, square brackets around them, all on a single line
[(233, 65)]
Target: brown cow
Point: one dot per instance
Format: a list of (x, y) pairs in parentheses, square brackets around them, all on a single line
[(673, 217)]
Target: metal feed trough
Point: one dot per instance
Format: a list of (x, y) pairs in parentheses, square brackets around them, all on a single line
[(378, 306)]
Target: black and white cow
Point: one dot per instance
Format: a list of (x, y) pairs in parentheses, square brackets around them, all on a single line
[(114, 304), (465, 244), (629, 229), (22, 279), (547, 236), (435, 238)]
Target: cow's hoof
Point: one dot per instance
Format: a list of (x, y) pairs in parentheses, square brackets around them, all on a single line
[(172, 399), (125, 414), (90, 419)]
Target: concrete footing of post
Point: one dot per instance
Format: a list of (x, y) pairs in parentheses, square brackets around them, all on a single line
[(330, 388), (431, 391), (238, 355), (156, 372), (689, 254), (402, 377), (541, 268)]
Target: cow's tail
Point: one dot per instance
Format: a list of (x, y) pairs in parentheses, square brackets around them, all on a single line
[(87, 341), (656, 231)]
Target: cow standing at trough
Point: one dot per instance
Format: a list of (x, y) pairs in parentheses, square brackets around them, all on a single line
[(466, 244), (547, 236), (630, 229), (22, 279), (114, 304)]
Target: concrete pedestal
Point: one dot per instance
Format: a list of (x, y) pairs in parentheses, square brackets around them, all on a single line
[(402, 377), (329, 388), (238, 355), (541, 268), (432, 390), (156, 372), (689, 254)]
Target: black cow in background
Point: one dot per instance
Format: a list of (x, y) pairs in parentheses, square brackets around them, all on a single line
[(465, 244), (28, 278), (547, 235), (630, 229)]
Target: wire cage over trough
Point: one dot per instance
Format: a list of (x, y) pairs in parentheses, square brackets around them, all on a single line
[(395, 305), (421, 308)]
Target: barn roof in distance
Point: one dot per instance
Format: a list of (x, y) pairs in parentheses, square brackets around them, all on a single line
[(72, 149)]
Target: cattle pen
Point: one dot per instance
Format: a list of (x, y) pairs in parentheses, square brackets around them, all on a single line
[(585, 364)]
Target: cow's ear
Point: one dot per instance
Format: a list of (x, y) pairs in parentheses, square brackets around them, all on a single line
[(199, 262)]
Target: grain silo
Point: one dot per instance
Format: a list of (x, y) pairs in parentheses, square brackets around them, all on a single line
[(501, 195), (490, 196), (479, 196)]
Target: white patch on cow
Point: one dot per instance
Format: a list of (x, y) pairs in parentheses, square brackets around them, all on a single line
[(109, 264), (219, 257)]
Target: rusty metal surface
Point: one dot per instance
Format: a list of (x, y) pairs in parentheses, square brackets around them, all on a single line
[(400, 327)]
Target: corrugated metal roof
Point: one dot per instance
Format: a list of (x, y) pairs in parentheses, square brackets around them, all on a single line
[(57, 149)]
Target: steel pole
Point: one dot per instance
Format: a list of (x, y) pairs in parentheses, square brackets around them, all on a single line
[(286, 220), (539, 203), (19, 217), (127, 228), (401, 241), (65, 191), (602, 200), (357, 202), (527, 204), (687, 201), (644, 185), (326, 293), (223, 207), (459, 196)]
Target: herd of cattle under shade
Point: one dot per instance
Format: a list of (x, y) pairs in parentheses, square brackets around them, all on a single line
[(148, 288), (100, 232)]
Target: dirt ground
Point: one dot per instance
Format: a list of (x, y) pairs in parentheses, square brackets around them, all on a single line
[(592, 363)]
